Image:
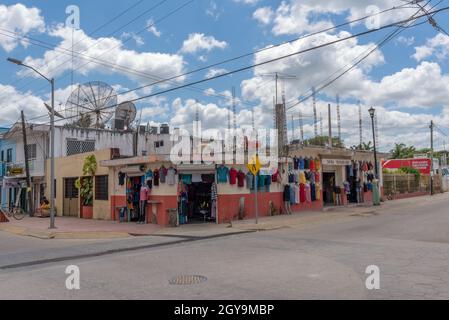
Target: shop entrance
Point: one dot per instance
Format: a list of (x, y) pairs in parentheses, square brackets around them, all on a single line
[(200, 203), (329, 188), (196, 199), (133, 186), (71, 201)]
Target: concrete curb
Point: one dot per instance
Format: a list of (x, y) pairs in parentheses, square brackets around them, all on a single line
[(47, 235)]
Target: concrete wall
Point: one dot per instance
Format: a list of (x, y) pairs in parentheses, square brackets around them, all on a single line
[(72, 167)]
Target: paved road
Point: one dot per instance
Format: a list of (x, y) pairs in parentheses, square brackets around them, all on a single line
[(408, 241)]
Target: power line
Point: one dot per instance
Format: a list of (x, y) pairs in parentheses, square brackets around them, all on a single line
[(275, 59), (271, 47), (89, 35), (365, 56)]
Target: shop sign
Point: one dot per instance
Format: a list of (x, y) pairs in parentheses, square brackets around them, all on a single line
[(423, 165), (336, 162), (15, 171)]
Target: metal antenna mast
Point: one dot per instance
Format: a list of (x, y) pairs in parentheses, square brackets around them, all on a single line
[(321, 125), (360, 125), (315, 114), (339, 117), (301, 125), (234, 109)]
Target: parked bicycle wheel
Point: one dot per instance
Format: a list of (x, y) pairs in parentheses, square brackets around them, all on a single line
[(18, 213)]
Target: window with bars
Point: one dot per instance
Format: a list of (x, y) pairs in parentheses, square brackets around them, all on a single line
[(101, 188), (70, 190), (78, 147), (32, 151)]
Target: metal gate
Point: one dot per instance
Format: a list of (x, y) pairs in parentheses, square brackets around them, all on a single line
[(71, 198)]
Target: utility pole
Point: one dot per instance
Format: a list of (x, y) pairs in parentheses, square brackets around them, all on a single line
[(29, 193), (339, 117), (315, 115), (301, 126), (431, 157), (330, 126), (360, 126)]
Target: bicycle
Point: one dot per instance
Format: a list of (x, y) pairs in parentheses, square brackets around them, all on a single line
[(15, 212)]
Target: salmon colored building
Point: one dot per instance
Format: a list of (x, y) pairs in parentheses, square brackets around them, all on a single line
[(188, 189)]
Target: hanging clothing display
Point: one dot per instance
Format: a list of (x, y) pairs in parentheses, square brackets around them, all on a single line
[(121, 178), (156, 178), (308, 191), (302, 177), (241, 179), (250, 181), (186, 179), (233, 176), (302, 193), (297, 199), (222, 174), (317, 164), (214, 199), (287, 195), (171, 176), (163, 174)]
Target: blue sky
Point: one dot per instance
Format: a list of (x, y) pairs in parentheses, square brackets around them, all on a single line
[(406, 79)]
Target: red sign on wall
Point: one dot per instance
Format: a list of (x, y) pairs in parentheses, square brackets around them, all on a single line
[(423, 165)]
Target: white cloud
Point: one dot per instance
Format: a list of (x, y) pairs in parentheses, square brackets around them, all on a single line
[(215, 72), (250, 2), (152, 28), (200, 42), (311, 68), (13, 101), (131, 35), (213, 10), (423, 86), (264, 15), (437, 46), (110, 51), (19, 19), (303, 16)]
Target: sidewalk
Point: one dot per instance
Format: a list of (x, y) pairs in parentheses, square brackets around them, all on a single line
[(74, 228)]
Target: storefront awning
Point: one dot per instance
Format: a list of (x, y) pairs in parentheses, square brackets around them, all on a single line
[(193, 168)]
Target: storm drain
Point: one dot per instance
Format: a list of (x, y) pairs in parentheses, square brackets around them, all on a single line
[(187, 280)]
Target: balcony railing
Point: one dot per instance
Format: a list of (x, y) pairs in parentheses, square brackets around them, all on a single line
[(37, 168)]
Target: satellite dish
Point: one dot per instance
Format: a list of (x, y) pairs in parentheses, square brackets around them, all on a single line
[(125, 114), (57, 114), (91, 105)]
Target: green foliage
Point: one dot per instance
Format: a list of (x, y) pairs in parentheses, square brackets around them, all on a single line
[(87, 191), (85, 185), (322, 141), (90, 166), (413, 171), (364, 147), (401, 151)]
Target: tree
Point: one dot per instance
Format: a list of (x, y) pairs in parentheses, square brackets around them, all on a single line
[(364, 147), (401, 151), (322, 141)]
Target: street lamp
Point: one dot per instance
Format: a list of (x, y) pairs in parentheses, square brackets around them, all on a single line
[(372, 113), (52, 139)]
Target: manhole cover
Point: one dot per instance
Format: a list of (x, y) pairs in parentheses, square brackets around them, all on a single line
[(187, 280)]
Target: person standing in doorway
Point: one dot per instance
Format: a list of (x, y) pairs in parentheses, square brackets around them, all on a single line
[(144, 193)]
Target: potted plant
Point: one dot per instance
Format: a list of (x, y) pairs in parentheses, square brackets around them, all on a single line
[(86, 187)]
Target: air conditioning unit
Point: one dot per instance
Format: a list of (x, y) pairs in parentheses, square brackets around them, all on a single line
[(119, 124), (165, 129), (153, 130), (115, 153)]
